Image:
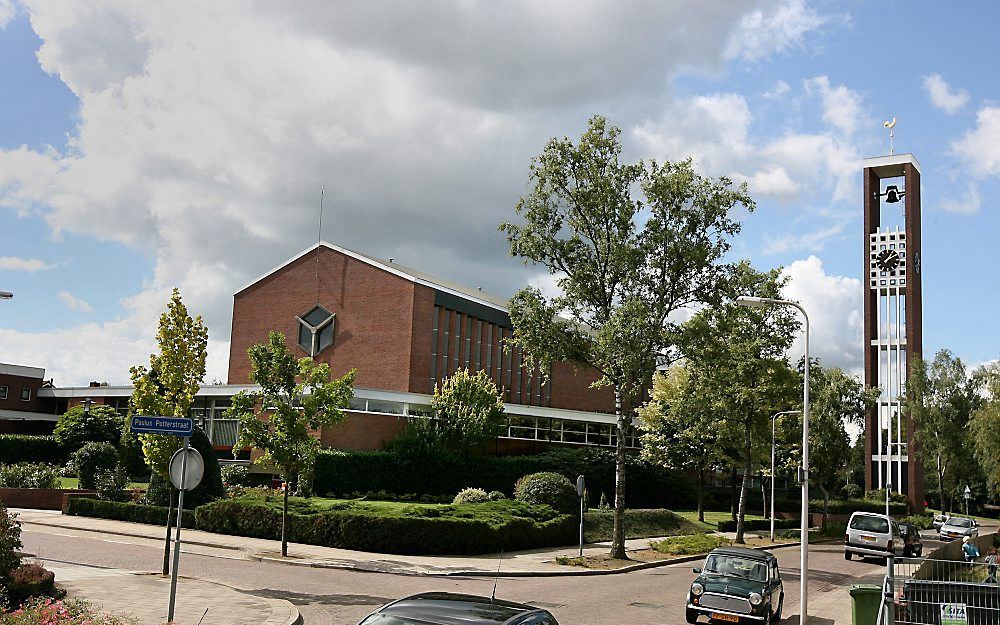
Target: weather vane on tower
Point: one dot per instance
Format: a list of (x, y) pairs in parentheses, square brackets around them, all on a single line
[(890, 125)]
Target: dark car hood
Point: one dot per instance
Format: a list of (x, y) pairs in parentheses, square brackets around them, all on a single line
[(730, 585)]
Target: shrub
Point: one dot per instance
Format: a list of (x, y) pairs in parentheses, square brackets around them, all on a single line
[(10, 546), (551, 489), (26, 475), (77, 427), (471, 495), (210, 489), (121, 511), (920, 521), (853, 491), (32, 448), (92, 458), (847, 506), (756, 525), (48, 612), (31, 580), (112, 484), (598, 524), (236, 475), (690, 545), (458, 530), (496, 495)]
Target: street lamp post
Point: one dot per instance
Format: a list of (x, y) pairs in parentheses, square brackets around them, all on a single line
[(774, 418), (760, 302), (968, 495)]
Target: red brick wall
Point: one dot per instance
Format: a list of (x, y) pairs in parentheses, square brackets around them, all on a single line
[(374, 318), (571, 390), (363, 431), (38, 498), (14, 384), (421, 346)]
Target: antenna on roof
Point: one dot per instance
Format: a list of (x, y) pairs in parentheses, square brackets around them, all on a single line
[(319, 237), (493, 595)]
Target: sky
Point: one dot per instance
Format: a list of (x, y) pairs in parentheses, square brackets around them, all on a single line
[(146, 146)]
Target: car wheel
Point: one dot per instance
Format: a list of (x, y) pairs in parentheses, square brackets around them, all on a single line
[(692, 616), (847, 555)]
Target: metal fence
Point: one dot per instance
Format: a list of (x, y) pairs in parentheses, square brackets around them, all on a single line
[(945, 592)]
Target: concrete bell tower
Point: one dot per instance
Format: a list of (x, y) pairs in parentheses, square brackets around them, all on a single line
[(893, 334)]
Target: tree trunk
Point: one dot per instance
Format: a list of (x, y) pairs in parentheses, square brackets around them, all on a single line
[(701, 495), (940, 483), (826, 504), (284, 520), (171, 506), (744, 488), (618, 534)]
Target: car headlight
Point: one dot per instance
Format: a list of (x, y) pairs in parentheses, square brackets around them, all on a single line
[(697, 589), (755, 599)]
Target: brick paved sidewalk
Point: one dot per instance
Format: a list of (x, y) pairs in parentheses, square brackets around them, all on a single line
[(539, 562), (145, 597)]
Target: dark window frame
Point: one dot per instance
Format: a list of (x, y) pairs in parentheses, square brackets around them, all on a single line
[(25, 391)]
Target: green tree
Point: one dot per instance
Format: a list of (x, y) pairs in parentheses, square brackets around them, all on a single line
[(296, 398), (940, 399), (740, 352), (80, 425), (469, 408), (835, 399), (167, 388), (629, 244), (985, 425), (679, 427)]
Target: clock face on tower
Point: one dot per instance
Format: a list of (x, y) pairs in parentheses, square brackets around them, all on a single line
[(887, 260)]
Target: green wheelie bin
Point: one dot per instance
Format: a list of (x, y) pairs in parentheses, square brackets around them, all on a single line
[(866, 601)]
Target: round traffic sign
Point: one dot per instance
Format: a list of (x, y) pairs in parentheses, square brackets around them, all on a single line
[(186, 476), (580, 485)]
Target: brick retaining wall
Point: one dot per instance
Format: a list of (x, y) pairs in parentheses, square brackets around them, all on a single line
[(39, 498)]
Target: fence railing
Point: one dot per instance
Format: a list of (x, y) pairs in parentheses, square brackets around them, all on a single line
[(945, 592)]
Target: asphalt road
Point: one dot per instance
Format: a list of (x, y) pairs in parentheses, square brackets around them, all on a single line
[(653, 596)]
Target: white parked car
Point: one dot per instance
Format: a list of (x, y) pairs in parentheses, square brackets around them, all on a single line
[(939, 520), (959, 527), (872, 534)]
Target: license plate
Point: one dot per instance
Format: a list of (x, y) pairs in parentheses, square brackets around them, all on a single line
[(868, 539), (715, 616)]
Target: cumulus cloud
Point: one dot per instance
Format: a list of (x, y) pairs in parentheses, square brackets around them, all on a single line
[(774, 28), (979, 148), (73, 302), (15, 263), (968, 203), (944, 97), (834, 305), (841, 106), (206, 131), (7, 12)]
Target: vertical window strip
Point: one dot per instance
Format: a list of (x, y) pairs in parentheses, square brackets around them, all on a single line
[(468, 341), (518, 364), (445, 344), (457, 354), (479, 344), (548, 388), (507, 356), (489, 350), (434, 345)]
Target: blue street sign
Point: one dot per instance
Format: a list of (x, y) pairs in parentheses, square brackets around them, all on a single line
[(173, 426)]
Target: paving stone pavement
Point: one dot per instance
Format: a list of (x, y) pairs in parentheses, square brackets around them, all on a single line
[(146, 596)]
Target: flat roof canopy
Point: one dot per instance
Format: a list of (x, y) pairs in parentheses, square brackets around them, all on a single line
[(890, 166)]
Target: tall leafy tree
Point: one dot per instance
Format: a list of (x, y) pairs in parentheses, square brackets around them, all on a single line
[(168, 387), (679, 426), (940, 398), (629, 244), (985, 424), (468, 408), (296, 399), (741, 354)]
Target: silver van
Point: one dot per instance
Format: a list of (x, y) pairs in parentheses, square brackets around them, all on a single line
[(872, 534)]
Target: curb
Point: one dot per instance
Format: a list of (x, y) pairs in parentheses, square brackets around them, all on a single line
[(321, 564)]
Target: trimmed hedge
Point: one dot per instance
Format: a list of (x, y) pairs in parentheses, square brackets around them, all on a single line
[(598, 524), (132, 512), (340, 473), (848, 506), (414, 532), (756, 525), (32, 448)]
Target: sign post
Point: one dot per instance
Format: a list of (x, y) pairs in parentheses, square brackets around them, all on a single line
[(580, 489), (183, 477)]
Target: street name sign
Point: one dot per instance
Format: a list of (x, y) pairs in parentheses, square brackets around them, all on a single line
[(172, 426)]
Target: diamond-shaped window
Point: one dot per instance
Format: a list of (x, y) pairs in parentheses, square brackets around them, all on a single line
[(316, 330)]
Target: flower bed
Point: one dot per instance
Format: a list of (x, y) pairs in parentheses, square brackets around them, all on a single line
[(54, 612)]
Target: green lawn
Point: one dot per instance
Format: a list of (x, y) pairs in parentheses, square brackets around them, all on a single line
[(73, 482), (962, 513), (712, 518)]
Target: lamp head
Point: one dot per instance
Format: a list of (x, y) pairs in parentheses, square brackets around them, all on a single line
[(6, 295), (751, 302)]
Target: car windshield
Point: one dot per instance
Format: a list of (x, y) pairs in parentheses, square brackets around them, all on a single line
[(959, 522), (867, 523), (735, 566)]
